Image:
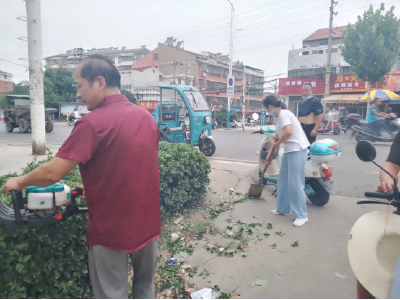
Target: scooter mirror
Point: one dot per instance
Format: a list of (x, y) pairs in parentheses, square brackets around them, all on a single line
[(365, 151)]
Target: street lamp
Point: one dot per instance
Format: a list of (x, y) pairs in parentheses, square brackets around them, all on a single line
[(230, 64)]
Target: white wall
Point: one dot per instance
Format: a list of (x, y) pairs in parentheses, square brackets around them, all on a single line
[(310, 61)]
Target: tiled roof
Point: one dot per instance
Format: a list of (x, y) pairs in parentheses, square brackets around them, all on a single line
[(146, 61), (323, 33), (5, 73)]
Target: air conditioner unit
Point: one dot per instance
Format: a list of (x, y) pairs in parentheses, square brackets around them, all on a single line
[(203, 74)]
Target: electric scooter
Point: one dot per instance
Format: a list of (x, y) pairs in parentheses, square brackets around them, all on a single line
[(72, 120), (41, 206), (318, 175)]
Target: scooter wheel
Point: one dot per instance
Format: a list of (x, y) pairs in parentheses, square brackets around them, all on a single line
[(336, 131), (321, 196)]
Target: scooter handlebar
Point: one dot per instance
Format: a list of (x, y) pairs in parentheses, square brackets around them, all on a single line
[(388, 196)]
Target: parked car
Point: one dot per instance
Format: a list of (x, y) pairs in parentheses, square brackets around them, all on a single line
[(232, 124)]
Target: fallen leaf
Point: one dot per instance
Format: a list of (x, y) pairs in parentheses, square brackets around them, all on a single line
[(177, 221), (340, 275), (260, 282)]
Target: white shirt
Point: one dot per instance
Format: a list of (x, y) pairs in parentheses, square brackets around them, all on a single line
[(329, 115), (298, 140), (76, 114)]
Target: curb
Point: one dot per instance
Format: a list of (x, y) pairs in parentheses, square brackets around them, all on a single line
[(233, 160), (28, 142)]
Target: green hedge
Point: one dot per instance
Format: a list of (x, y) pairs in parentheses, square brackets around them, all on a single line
[(51, 261)]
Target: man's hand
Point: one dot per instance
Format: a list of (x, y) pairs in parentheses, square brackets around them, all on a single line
[(314, 132), (83, 196), (13, 184), (385, 186), (387, 182)]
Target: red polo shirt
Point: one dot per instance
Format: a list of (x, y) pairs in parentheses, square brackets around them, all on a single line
[(117, 149)]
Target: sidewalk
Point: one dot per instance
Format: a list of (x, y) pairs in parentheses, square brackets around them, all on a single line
[(15, 155), (293, 262)]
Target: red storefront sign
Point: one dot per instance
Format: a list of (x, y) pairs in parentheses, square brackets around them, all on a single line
[(292, 86), (343, 83), (148, 104), (393, 82)]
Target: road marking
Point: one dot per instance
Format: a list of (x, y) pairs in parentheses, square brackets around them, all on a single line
[(234, 161)]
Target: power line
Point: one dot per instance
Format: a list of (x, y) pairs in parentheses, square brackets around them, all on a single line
[(14, 63)]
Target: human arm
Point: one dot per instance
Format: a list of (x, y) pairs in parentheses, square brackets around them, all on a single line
[(392, 165), (318, 122), (286, 133), (47, 174), (319, 116), (386, 182)]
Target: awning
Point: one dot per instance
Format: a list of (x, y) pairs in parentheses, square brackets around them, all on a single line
[(342, 99)]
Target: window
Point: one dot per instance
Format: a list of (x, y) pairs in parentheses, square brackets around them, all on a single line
[(304, 53), (320, 51), (196, 101), (325, 42), (201, 83), (126, 58), (346, 70), (155, 56), (124, 67), (334, 50)]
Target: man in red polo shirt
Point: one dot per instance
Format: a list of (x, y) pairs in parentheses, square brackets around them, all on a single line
[(116, 148)]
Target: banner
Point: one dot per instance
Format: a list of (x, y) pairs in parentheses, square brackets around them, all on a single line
[(343, 82), (148, 104), (67, 109)]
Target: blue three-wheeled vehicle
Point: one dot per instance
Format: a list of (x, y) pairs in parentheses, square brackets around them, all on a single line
[(183, 116)]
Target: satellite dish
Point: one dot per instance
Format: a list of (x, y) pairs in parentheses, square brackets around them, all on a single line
[(255, 116)]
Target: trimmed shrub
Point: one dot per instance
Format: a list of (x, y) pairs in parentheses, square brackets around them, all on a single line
[(51, 261)]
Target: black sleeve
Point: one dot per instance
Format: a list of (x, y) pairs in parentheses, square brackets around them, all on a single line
[(318, 108), (394, 154)]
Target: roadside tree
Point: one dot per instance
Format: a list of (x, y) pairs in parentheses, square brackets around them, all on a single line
[(372, 45)]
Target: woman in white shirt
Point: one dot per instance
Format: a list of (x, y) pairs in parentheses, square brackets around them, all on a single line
[(291, 137)]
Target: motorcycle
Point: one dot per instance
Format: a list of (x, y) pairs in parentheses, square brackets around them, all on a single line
[(338, 125), (363, 131), (72, 120), (318, 175)]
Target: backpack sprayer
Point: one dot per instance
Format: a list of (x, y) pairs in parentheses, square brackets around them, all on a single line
[(44, 205)]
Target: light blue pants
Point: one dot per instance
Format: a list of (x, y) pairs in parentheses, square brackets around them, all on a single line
[(291, 182)]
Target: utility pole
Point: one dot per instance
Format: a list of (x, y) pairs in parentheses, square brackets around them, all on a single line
[(328, 63), (244, 95), (36, 76), (230, 65)]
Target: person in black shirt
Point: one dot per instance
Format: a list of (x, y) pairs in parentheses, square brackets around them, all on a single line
[(310, 113), (392, 165)]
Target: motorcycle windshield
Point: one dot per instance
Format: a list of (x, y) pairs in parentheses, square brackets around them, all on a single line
[(196, 101)]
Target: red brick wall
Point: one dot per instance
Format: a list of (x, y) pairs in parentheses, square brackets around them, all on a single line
[(3, 85)]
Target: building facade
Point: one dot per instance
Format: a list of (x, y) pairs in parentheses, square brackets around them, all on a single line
[(206, 71), (6, 83), (122, 57), (308, 64)]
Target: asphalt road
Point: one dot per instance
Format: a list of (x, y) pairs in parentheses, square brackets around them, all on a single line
[(352, 176)]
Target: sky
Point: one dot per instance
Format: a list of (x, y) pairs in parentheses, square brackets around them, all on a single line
[(264, 30)]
